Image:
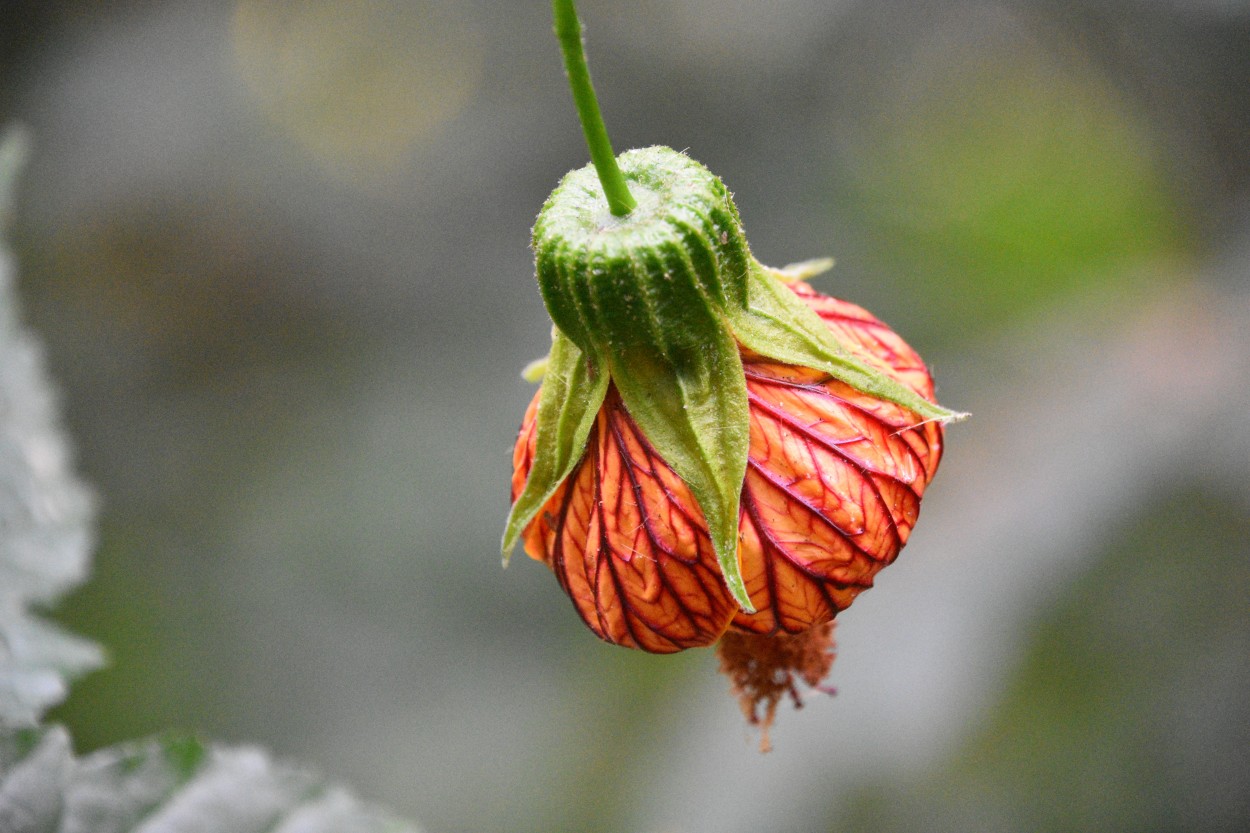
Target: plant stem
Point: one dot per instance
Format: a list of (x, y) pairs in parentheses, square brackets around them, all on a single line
[(569, 32)]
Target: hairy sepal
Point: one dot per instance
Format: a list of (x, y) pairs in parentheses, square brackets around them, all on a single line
[(574, 386), (692, 408), (802, 270), (776, 323)]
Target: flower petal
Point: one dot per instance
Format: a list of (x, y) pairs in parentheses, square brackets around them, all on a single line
[(629, 545), (834, 477)]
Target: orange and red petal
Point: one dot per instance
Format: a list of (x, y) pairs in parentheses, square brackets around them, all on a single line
[(627, 542), (834, 478)]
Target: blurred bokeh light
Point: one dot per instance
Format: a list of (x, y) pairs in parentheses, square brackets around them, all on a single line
[(998, 168), (278, 254), (357, 84)]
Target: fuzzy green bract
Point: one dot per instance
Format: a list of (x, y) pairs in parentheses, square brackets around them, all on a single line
[(658, 303), (777, 324), (573, 389)]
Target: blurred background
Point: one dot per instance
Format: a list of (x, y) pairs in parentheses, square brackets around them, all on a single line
[(278, 254)]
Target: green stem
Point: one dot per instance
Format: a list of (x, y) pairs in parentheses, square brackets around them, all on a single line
[(569, 33)]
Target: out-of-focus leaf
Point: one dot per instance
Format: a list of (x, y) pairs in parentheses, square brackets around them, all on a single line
[(166, 784), (37, 661), (169, 784), (45, 510)]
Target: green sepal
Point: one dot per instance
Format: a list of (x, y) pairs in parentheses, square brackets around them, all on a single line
[(574, 387), (692, 408), (802, 270), (777, 324), (535, 370)]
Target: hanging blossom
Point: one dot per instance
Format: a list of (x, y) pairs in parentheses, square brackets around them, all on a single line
[(833, 487), (718, 454)]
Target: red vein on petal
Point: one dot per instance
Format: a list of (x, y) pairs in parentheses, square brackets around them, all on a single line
[(865, 474), (706, 579), (696, 623), (559, 562), (901, 434), (632, 612), (819, 388), (767, 539), (645, 516), (695, 521), (802, 501), (606, 559)]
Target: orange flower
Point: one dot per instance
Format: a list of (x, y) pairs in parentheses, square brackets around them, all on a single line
[(832, 489), (717, 452)]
